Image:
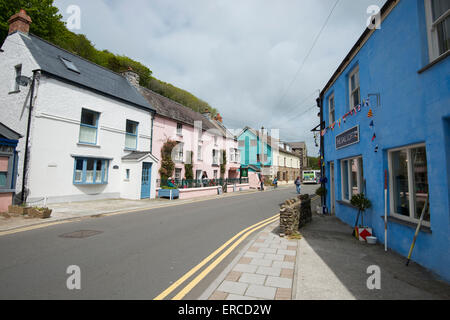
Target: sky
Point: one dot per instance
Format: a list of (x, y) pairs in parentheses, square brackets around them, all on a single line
[(250, 59)]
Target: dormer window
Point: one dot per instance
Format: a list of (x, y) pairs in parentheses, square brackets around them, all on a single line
[(69, 65)]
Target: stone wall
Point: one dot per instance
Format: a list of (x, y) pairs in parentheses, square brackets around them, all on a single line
[(294, 214)]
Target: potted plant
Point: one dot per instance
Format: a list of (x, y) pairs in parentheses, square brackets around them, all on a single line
[(362, 204), (42, 213), (321, 192)]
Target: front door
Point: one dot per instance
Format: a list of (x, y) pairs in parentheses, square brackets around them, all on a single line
[(146, 180), (332, 189)]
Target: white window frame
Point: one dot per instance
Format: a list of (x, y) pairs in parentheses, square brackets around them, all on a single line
[(433, 41), (355, 71), (215, 157), (412, 197), (17, 73), (199, 153), (331, 112), (179, 155), (179, 129), (359, 177)]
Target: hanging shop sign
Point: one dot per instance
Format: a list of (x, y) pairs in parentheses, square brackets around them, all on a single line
[(347, 138)]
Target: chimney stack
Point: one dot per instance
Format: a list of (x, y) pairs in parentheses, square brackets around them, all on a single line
[(19, 22), (207, 113), (132, 77)]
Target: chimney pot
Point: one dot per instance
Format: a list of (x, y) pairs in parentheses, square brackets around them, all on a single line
[(19, 22)]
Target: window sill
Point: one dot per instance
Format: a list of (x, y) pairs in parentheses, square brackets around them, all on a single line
[(347, 204), (410, 224), (14, 92), (90, 184), (434, 62), (81, 144), (129, 150)]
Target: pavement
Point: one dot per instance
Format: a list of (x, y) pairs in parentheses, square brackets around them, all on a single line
[(263, 271), (327, 263)]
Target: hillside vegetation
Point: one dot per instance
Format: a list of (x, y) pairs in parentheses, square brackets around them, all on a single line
[(48, 24)]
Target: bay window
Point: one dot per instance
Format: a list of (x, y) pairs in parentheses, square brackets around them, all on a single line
[(88, 126), (352, 178), (408, 176), (90, 171)]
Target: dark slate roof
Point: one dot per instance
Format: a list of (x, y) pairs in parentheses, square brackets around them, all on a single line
[(90, 76), (9, 133), (136, 155), (173, 110), (297, 145)]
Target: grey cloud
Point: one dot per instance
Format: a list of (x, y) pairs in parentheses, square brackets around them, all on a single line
[(240, 56)]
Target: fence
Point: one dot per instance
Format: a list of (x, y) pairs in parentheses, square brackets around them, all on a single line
[(201, 183)]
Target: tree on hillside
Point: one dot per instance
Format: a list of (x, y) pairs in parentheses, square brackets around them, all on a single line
[(314, 163), (46, 24)]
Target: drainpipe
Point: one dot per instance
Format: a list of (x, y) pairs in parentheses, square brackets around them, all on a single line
[(25, 161), (151, 134), (322, 148)]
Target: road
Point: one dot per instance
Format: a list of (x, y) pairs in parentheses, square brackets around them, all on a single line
[(136, 255)]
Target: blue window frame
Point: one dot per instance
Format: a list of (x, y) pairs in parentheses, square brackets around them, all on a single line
[(131, 137), (90, 171), (89, 127)]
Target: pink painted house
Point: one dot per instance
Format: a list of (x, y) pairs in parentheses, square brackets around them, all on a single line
[(195, 133)]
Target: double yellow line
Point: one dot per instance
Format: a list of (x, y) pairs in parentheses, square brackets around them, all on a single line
[(241, 236)]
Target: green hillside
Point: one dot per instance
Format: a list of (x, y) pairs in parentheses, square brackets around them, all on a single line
[(48, 24)]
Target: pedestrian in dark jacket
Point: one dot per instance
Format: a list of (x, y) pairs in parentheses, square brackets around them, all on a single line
[(298, 184)]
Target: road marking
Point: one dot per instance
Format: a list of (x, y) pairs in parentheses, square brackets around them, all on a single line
[(205, 272), (176, 284), (110, 214), (38, 226)]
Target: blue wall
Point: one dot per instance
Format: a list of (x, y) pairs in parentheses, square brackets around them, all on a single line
[(415, 108)]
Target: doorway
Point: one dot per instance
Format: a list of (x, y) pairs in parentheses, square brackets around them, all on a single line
[(146, 180), (332, 189)]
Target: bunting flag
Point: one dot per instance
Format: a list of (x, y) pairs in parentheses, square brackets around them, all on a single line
[(374, 137), (367, 102), (371, 124), (370, 114), (359, 108), (339, 123), (376, 149)]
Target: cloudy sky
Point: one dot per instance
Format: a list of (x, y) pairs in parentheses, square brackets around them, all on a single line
[(244, 57)]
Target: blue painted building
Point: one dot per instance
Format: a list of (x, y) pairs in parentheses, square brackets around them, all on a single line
[(256, 152), (386, 110)]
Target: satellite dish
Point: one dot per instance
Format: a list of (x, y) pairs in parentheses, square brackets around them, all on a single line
[(23, 81)]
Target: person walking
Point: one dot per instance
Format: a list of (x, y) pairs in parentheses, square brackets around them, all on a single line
[(298, 184), (261, 180), (275, 182)]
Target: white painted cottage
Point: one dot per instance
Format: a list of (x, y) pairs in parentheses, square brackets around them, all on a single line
[(89, 131)]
